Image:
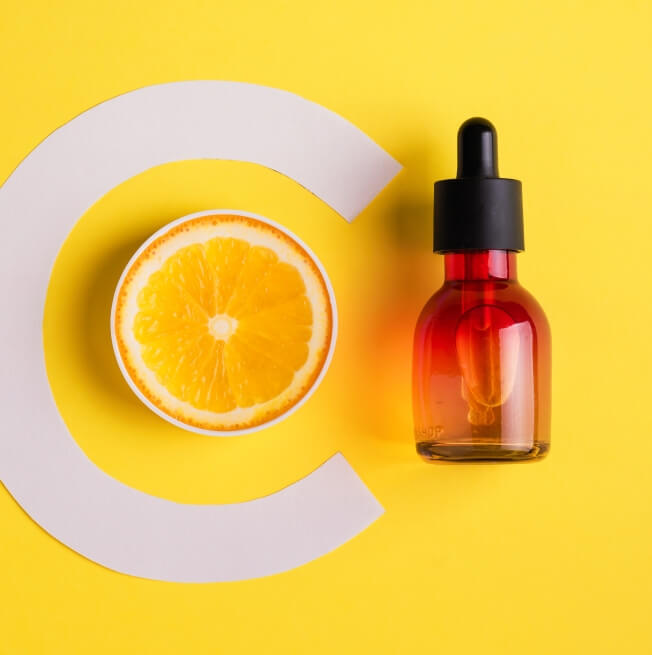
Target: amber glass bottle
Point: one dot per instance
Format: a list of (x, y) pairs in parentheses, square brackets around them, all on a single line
[(481, 375)]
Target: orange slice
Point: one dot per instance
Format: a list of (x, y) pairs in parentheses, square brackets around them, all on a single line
[(223, 322)]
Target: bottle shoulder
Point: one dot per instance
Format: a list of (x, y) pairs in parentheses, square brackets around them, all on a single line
[(532, 307), (455, 297)]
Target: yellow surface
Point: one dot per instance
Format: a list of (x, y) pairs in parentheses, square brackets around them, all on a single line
[(552, 557)]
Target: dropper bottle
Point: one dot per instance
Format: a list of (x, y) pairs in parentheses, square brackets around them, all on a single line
[(481, 373)]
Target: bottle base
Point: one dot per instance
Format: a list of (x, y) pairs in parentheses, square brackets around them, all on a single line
[(433, 451)]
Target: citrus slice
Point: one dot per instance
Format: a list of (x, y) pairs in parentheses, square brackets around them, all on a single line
[(223, 322)]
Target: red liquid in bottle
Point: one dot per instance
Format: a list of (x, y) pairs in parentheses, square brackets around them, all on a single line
[(481, 376)]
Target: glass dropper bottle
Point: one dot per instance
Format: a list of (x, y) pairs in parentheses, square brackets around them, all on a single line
[(481, 373)]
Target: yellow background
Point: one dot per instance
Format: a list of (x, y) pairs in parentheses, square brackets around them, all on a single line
[(532, 558)]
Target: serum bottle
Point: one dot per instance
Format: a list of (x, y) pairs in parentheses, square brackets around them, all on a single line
[(481, 374)]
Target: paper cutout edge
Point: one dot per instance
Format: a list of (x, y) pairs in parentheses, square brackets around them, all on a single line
[(27, 368)]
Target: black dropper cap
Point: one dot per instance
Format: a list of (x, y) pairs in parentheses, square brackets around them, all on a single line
[(478, 210)]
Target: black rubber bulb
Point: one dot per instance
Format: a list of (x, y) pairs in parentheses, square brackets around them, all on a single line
[(477, 154)]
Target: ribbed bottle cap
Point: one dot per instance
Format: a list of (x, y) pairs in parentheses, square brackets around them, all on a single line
[(478, 210)]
